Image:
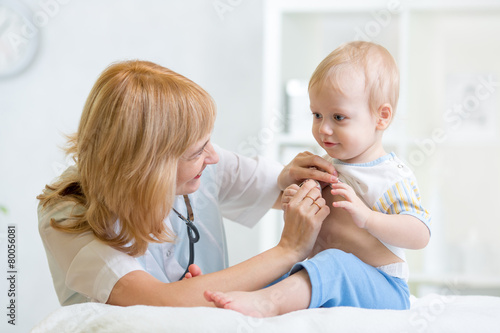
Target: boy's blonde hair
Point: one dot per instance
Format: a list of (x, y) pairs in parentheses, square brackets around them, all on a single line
[(373, 61), (138, 120)]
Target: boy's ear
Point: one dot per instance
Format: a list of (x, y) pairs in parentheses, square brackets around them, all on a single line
[(384, 116)]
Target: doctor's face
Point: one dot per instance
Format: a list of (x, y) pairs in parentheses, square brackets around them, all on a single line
[(192, 164)]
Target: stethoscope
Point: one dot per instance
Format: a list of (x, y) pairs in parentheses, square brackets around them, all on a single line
[(192, 231)]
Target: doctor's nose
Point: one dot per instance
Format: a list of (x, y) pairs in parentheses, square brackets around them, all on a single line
[(212, 156)]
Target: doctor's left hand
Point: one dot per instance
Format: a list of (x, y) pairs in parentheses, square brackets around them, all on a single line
[(304, 213), (304, 166)]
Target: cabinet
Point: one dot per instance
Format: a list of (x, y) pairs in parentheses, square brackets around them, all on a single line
[(447, 122)]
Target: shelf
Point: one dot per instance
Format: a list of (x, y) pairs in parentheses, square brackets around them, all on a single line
[(314, 6), (290, 139), (456, 280), (286, 6), (437, 44)]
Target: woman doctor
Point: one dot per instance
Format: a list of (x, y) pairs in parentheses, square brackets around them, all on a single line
[(148, 192)]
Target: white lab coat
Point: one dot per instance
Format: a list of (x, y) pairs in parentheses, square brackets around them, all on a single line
[(85, 269)]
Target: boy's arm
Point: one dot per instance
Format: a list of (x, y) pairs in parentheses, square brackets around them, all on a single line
[(399, 230)]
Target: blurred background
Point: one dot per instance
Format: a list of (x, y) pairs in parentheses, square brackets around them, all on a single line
[(255, 58)]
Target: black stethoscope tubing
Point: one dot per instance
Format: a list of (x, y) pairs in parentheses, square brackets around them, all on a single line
[(193, 236)]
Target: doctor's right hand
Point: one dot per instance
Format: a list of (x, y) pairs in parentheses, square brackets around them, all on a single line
[(304, 213), (304, 166)]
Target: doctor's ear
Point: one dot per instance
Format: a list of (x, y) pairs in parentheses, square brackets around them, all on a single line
[(384, 116)]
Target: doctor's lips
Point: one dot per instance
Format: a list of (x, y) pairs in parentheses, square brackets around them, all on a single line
[(199, 175)]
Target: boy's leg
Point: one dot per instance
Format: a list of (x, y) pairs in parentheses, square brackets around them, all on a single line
[(290, 294), (341, 279), (331, 278)]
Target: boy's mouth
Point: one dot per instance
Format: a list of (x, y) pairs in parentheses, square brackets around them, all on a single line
[(328, 144)]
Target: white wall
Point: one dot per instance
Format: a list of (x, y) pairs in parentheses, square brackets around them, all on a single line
[(220, 51), (452, 50)]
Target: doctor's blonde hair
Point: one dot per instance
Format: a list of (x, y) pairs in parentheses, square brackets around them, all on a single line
[(376, 64), (138, 121)]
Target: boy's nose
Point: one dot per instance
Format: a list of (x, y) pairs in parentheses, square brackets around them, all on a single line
[(325, 128)]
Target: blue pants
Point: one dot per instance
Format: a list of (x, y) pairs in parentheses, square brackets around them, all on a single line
[(341, 279)]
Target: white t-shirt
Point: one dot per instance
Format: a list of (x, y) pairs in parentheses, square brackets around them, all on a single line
[(388, 186), (85, 269)]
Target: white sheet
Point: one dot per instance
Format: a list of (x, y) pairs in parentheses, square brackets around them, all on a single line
[(432, 313)]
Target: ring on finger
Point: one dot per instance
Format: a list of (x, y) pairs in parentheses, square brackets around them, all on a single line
[(308, 196), (314, 202)]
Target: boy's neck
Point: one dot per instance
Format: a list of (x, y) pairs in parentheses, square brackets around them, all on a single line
[(369, 155)]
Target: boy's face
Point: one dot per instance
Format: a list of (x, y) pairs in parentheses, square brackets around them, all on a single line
[(343, 123)]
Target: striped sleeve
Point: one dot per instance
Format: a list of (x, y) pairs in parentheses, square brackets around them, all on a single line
[(403, 198)]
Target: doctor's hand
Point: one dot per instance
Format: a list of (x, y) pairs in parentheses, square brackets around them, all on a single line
[(193, 271), (304, 166), (304, 213), (291, 190)]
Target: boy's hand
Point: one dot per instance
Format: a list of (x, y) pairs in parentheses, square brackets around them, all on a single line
[(304, 166), (352, 204)]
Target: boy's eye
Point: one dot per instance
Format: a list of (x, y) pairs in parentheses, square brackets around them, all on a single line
[(338, 117), (316, 115)]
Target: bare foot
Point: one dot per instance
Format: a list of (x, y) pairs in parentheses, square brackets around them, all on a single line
[(194, 271), (255, 304)]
